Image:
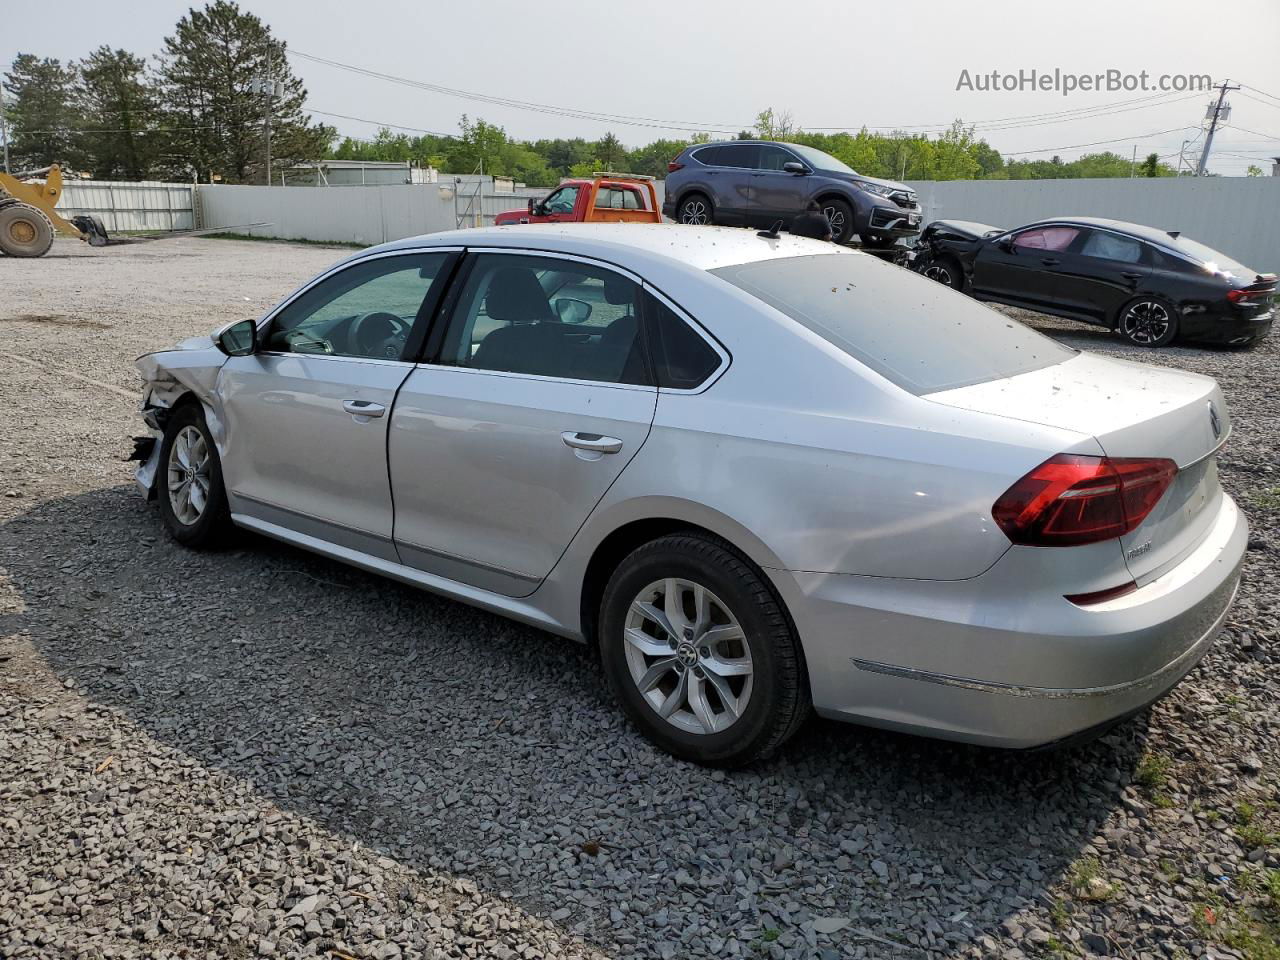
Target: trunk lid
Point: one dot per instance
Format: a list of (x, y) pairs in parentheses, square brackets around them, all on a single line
[(1133, 410)]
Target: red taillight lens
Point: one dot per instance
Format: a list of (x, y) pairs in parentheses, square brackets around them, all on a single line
[(1236, 296), (1071, 499), (674, 165)]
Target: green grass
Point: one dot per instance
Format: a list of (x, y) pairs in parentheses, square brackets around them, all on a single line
[(1152, 772), (1088, 883), (1268, 498)]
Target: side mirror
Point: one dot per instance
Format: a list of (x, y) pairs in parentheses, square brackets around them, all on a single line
[(240, 339), (799, 169), (535, 206), (1005, 244), (570, 310)]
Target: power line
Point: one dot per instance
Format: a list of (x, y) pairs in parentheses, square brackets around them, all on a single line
[(1095, 143), (1256, 133), (1271, 96)]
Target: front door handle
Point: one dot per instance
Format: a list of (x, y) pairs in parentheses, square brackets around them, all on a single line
[(1132, 276), (363, 408), (1050, 261), (591, 441)]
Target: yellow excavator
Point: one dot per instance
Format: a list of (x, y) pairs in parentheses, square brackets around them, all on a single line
[(27, 217)]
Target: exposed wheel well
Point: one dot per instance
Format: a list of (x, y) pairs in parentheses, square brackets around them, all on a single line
[(692, 192)]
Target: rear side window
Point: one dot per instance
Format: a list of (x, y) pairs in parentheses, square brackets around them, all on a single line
[(915, 333), (708, 155), (1109, 246), (682, 359), (618, 198)]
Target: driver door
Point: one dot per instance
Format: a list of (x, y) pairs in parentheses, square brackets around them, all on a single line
[(305, 418), (559, 205)]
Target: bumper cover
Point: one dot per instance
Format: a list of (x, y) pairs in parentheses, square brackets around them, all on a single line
[(1003, 661)]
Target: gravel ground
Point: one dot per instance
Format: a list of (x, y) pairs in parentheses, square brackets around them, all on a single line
[(259, 752)]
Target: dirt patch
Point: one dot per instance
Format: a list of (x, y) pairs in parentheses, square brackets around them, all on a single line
[(58, 321)]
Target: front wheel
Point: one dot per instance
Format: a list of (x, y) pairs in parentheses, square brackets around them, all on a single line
[(945, 272), (193, 501), (1148, 322), (24, 231), (700, 654), (840, 215), (695, 210)]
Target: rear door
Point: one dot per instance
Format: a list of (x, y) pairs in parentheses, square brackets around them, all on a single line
[(734, 165), (534, 401), (775, 194), (1018, 271), (1101, 272), (305, 428)]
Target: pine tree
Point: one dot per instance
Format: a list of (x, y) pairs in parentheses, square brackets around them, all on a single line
[(121, 139), (208, 70), (40, 107)]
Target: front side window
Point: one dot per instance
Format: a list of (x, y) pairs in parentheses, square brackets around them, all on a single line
[(1046, 238), (547, 317), (1110, 246), (365, 310), (562, 200), (922, 337), (773, 158)]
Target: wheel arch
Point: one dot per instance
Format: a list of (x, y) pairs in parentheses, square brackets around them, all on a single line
[(628, 534)]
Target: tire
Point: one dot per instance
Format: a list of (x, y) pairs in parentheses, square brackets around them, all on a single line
[(696, 210), (757, 658), (1148, 322), (840, 215), (192, 525), (946, 272), (24, 231)]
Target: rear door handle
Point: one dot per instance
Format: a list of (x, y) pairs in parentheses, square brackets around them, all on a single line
[(591, 441), (363, 408), (1132, 276), (1051, 261)]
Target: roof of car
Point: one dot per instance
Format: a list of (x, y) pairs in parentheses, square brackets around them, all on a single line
[(705, 248), (1120, 226)]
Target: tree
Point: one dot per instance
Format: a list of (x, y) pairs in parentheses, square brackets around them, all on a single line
[(774, 126), (1150, 166), (40, 103), (1253, 171), (209, 66), (121, 139), (610, 152)]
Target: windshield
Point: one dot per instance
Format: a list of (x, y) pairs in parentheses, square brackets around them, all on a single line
[(819, 160), (910, 330)]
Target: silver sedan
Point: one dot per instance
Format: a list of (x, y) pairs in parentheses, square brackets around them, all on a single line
[(762, 475)]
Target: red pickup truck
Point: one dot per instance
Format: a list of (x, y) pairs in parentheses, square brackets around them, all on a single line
[(605, 198)]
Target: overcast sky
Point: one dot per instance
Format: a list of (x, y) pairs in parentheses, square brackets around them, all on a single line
[(719, 62)]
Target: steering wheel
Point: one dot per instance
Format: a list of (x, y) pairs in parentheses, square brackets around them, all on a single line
[(378, 334)]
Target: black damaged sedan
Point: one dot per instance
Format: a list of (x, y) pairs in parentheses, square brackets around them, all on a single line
[(1150, 286)]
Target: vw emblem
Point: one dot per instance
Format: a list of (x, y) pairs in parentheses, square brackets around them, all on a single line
[(1214, 422)]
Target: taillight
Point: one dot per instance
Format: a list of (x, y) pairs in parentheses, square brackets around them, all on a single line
[(674, 165), (1071, 499), (1240, 296)]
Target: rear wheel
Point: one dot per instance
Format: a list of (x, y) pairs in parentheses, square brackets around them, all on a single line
[(695, 210), (840, 215), (24, 231), (700, 654), (193, 501), (1148, 322)]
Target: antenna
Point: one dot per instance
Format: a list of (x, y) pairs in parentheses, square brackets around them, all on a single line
[(773, 232)]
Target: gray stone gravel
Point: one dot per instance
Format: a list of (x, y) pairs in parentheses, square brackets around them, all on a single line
[(259, 753)]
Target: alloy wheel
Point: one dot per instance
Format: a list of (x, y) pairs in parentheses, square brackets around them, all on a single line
[(694, 212), (938, 273), (1146, 322), (188, 475), (835, 217), (688, 656)]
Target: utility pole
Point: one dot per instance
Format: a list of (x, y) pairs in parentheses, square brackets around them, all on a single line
[(4, 130), (270, 88), (1219, 114), (1133, 164)]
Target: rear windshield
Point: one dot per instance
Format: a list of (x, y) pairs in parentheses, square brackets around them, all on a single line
[(1209, 257), (909, 329)]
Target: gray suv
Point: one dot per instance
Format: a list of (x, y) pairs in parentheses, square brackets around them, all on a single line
[(757, 183)]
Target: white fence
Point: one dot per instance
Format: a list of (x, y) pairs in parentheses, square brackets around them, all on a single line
[(1239, 216), (122, 206), (363, 215)]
